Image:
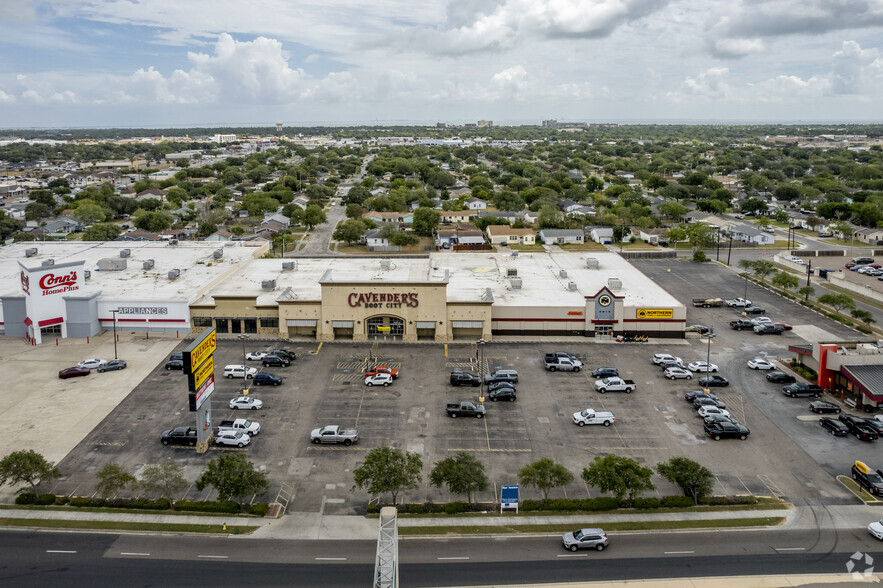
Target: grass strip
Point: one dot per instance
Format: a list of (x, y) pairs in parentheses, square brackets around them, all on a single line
[(177, 513), (126, 526), (622, 526), (856, 489)]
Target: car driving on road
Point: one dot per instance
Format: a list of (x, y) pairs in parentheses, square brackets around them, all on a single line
[(586, 539)]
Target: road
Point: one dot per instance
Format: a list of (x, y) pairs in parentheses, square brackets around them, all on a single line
[(76, 560), (319, 241)]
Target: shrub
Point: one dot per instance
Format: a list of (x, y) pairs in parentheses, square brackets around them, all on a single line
[(260, 509), (227, 506), (649, 502), (79, 501), (148, 504), (62, 500), (45, 499), (601, 503), (415, 508), (372, 509), (433, 507), (700, 256), (863, 329), (531, 504), (26, 498), (562, 504), (677, 501), (455, 507)]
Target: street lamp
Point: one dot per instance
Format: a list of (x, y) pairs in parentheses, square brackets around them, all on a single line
[(114, 313), (480, 349), (244, 337), (709, 335)]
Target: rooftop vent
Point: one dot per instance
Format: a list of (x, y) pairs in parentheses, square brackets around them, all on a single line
[(173, 241), (614, 283), (48, 262), (563, 273), (592, 263), (511, 272), (384, 264), (515, 254), (516, 283), (112, 264), (571, 286), (173, 274), (148, 264), (125, 252), (30, 251), (87, 274), (217, 254), (287, 266), (268, 285)]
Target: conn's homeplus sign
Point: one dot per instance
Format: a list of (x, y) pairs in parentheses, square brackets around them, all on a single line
[(45, 288)]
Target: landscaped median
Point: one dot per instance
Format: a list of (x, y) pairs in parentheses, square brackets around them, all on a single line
[(853, 487), (128, 526)]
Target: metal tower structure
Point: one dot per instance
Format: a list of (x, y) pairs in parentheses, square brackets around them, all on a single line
[(386, 564)]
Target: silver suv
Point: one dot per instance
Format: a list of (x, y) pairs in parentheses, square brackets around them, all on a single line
[(586, 539)]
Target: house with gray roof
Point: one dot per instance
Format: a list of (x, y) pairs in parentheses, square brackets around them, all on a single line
[(562, 236)]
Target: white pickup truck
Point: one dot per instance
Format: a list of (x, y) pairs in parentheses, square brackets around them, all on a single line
[(590, 417), (564, 364), (334, 434), (737, 303), (244, 425), (615, 385)]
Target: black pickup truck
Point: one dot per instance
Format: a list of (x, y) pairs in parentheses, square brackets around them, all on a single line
[(741, 324), (179, 436), (799, 390), (461, 378)]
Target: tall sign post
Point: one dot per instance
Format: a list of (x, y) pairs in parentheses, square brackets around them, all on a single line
[(199, 366)]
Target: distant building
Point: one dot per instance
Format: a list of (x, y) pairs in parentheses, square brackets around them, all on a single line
[(223, 138), (550, 123), (485, 123)]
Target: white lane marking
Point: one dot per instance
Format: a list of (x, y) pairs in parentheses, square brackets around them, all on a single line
[(58, 551), (214, 556), (330, 559), (448, 558), (676, 552), (132, 553), (574, 555), (790, 548)]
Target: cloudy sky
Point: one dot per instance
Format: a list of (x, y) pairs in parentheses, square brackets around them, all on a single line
[(135, 63)]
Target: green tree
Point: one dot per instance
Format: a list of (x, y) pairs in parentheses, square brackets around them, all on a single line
[(164, 479), (700, 235), (37, 211), (672, 210), (549, 217), (233, 477), (806, 292), (785, 281), (693, 478), (89, 213), (314, 215), (763, 268), (27, 467), (780, 215), (619, 476), (349, 231), (763, 222), (425, 220), (753, 205), (863, 316), (844, 228), (102, 232), (837, 301), (43, 197), (461, 474), (354, 211), (388, 470), (676, 234), (112, 478), (545, 474), (747, 265), (404, 239), (153, 221)]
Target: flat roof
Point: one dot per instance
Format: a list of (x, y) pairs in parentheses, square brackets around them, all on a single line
[(193, 258), (468, 275)]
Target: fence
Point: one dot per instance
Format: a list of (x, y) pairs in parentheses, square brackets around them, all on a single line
[(819, 253), (648, 254)]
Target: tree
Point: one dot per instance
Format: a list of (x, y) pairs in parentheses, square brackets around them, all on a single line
[(404, 239), (314, 215), (753, 205), (619, 476), (461, 474), (112, 478), (672, 210), (164, 479), (153, 221), (785, 281), (763, 222), (780, 215), (425, 220), (545, 474), (37, 211), (699, 235), (837, 301), (350, 231), (354, 210), (102, 232), (388, 470), (747, 265), (693, 478), (549, 217), (233, 476), (863, 316), (763, 268), (806, 292), (27, 467), (676, 234), (845, 229)]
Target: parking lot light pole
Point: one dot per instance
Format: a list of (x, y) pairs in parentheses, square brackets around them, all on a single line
[(244, 337), (708, 356), (114, 313), (480, 347)]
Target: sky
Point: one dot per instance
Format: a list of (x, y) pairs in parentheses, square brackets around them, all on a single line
[(153, 63)]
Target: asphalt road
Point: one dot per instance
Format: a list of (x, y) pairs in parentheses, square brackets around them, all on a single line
[(77, 560)]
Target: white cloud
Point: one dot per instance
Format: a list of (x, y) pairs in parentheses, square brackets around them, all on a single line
[(738, 47), (6, 98), (851, 66)]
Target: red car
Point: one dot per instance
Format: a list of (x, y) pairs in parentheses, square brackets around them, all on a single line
[(382, 369), (73, 372)]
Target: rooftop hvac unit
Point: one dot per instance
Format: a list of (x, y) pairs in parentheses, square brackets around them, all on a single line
[(125, 252), (148, 264), (268, 284), (173, 274), (516, 283), (48, 262), (217, 254), (572, 286), (173, 241), (563, 273), (112, 264), (287, 266), (30, 251), (87, 274), (592, 263), (515, 254), (384, 264), (614, 283), (511, 272)]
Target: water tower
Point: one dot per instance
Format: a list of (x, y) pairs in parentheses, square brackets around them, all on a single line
[(278, 127)]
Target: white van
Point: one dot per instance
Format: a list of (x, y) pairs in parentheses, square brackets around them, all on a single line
[(239, 371)]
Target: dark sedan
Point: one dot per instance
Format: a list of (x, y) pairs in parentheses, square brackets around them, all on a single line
[(719, 418), (73, 372), (754, 310), (780, 378), (175, 364), (875, 424), (701, 329), (718, 431), (700, 402), (502, 394), (266, 378), (692, 396), (835, 427), (820, 406), (769, 329), (605, 372), (718, 381), (113, 364), (501, 386)]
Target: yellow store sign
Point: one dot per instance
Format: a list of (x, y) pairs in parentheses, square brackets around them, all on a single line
[(654, 313)]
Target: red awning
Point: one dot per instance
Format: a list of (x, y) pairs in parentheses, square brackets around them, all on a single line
[(50, 322)]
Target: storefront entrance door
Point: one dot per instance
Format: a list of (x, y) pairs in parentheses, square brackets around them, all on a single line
[(378, 326)]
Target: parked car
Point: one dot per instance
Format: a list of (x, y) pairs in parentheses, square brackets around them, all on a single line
[(702, 401), (718, 431), (256, 355), (760, 320), (720, 418), (236, 438), (875, 424), (378, 380), (834, 426), (245, 403), (461, 378), (859, 427), (605, 372), (867, 478), (754, 310), (692, 396), (175, 364), (660, 357), (701, 329), (501, 386), (275, 361), (780, 378), (676, 362), (820, 406), (91, 364), (265, 378), (284, 353), (676, 373), (502, 394), (741, 324), (716, 381), (702, 366), (113, 364), (801, 390), (239, 371), (586, 539), (769, 329), (73, 372), (382, 369), (759, 363), (705, 411), (179, 436), (501, 376)]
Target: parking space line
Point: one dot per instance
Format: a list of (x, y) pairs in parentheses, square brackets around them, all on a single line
[(745, 486), (446, 349), (319, 348), (771, 486), (724, 486), (507, 450)]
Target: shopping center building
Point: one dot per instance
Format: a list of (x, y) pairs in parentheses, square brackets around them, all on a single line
[(443, 296)]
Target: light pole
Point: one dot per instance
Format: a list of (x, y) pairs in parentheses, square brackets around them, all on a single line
[(244, 337), (114, 313), (708, 355), (480, 347)]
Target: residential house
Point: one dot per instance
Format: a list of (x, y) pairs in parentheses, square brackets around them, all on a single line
[(567, 205), (506, 215), (390, 217), (474, 203), (65, 225), (220, 235), (562, 236), (602, 235), (869, 236), (581, 210), (151, 193), (697, 216), (652, 236), (301, 201), (138, 235), (506, 235), (458, 216), (277, 217), (751, 235), (459, 234), (372, 238)]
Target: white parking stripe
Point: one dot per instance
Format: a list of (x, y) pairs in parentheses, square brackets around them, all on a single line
[(214, 556), (449, 558), (132, 553), (58, 551)]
